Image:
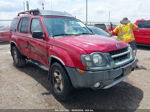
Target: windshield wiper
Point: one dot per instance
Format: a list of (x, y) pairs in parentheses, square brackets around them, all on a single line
[(84, 34), (62, 35)]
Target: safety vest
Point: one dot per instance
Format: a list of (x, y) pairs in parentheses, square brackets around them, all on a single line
[(126, 33)]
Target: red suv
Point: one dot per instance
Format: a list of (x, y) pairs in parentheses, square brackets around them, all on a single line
[(74, 56), (142, 36)]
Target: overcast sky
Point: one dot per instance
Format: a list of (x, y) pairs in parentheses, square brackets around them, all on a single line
[(98, 9)]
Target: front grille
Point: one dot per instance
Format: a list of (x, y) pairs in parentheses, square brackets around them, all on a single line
[(118, 51), (121, 56)]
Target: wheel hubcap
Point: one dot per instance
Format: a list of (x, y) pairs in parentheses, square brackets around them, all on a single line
[(58, 82)]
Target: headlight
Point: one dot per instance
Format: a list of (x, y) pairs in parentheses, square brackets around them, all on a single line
[(86, 59), (97, 59), (93, 60)]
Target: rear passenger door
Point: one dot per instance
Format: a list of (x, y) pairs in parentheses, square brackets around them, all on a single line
[(22, 35), (38, 47)]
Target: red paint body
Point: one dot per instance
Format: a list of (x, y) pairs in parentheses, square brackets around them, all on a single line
[(69, 49), (5, 35), (142, 35)]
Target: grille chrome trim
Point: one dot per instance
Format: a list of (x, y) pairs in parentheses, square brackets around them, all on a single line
[(121, 54), (121, 57)]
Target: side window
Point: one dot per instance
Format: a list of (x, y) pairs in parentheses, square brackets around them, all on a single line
[(36, 26), (144, 24), (19, 26), (14, 23), (23, 25)]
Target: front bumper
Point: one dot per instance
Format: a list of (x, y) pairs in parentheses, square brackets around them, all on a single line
[(107, 78)]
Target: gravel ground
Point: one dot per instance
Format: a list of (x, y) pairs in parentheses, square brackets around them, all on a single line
[(27, 88)]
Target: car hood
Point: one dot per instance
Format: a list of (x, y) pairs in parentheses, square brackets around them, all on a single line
[(94, 43)]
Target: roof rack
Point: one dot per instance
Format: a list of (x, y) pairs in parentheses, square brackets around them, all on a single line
[(46, 13), (34, 12)]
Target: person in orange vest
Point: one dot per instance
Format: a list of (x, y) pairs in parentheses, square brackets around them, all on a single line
[(124, 31)]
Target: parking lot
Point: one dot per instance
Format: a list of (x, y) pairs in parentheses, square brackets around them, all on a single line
[(28, 88)]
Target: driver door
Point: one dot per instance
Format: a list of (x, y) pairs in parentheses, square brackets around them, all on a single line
[(38, 47)]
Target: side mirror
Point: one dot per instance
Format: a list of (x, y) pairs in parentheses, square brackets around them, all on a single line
[(38, 35)]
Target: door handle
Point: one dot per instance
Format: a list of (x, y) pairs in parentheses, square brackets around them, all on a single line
[(28, 39)]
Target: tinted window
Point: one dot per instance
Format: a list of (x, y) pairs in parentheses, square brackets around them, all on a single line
[(144, 24), (14, 23), (23, 25), (36, 26)]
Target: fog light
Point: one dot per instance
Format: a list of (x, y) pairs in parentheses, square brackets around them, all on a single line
[(97, 85)]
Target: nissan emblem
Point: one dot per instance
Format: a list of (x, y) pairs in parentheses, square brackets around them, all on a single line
[(118, 46)]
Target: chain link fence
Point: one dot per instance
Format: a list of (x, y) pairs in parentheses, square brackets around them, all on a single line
[(104, 25)]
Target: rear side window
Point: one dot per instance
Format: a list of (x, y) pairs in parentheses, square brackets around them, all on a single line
[(14, 23), (36, 26), (23, 25), (144, 24)]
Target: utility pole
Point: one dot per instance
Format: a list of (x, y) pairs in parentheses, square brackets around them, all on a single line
[(86, 12), (51, 4), (109, 20), (109, 16), (43, 6), (24, 6), (27, 5)]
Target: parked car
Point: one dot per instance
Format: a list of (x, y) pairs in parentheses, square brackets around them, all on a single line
[(73, 56), (4, 34), (142, 35), (99, 31), (101, 26), (111, 26)]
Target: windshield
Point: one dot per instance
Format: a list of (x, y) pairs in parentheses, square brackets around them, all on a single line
[(65, 26), (98, 31), (144, 24)]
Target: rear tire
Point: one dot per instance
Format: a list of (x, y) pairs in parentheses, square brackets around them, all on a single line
[(60, 84), (18, 59)]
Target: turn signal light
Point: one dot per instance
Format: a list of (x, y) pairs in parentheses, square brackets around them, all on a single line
[(81, 71)]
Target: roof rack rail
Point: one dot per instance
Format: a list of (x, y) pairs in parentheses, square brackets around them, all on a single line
[(45, 13), (34, 12)]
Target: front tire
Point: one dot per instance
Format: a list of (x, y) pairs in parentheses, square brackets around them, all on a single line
[(60, 84), (19, 60)]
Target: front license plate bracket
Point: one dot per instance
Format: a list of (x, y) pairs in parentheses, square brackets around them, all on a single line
[(127, 70)]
